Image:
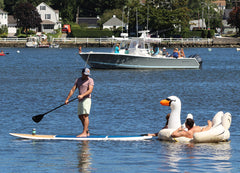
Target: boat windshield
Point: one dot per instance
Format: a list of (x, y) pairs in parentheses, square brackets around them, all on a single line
[(31, 39), (139, 47), (137, 44)]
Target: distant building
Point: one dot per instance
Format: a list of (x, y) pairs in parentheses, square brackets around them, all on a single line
[(3, 18), (50, 18), (12, 26), (221, 4), (197, 24), (90, 22), (226, 28), (114, 23)]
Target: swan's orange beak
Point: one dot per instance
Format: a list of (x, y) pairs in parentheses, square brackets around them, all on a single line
[(165, 102)]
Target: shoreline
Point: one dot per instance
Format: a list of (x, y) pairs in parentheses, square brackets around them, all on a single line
[(227, 42)]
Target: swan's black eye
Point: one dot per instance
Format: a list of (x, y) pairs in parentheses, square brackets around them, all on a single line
[(170, 101)]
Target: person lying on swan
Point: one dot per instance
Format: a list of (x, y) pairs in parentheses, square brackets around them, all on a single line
[(181, 132)]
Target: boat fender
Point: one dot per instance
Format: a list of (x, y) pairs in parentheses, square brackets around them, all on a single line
[(226, 120), (217, 119)]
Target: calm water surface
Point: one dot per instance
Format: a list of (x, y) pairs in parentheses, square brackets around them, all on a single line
[(125, 102)]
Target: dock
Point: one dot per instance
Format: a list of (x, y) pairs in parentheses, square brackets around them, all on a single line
[(109, 42)]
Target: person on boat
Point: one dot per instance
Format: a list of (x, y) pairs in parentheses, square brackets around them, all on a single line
[(126, 51), (80, 49), (117, 48), (181, 132), (85, 86), (182, 54), (155, 50), (165, 127), (175, 53), (1, 52), (164, 52)]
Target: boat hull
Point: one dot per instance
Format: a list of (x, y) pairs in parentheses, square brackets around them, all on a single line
[(127, 61)]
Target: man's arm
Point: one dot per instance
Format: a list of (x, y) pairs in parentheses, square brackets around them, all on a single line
[(181, 133), (70, 94)]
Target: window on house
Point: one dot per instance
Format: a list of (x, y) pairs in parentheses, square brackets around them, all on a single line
[(47, 16), (42, 7), (48, 26)]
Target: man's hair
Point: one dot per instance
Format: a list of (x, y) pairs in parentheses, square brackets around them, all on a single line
[(190, 122)]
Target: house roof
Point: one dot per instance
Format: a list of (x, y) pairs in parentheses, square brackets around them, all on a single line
[(12, 21), (47, 22), (1, 11), (220, 2), (226, 13), (43, 3), (114, 21)]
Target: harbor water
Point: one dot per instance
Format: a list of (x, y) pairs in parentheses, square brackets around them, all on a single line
[(124, 102)]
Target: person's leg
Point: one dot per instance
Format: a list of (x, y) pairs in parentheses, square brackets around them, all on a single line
[(81, 118), (85, 121), (83, 114)]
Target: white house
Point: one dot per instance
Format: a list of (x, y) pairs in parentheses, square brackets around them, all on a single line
[(114, 23), (3, 18), (50, 18), (197, 24), (12, 26)]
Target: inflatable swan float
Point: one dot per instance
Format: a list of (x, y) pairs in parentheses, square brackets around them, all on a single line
[(219, 132)]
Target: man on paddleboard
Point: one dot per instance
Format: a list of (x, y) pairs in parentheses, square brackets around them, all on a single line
[(85, 86)]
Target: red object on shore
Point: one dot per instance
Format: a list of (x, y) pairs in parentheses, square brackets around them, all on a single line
[(66, 28)]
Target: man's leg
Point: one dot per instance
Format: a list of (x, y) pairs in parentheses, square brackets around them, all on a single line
[(85, 121)]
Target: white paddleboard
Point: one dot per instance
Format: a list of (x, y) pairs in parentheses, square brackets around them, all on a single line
[(89, 138)]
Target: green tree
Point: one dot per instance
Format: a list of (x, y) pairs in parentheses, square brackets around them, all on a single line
[(165, 17), (234, 18), (2, 4), (27, 16)]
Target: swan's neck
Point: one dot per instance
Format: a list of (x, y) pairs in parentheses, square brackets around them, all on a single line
[(174, 119)]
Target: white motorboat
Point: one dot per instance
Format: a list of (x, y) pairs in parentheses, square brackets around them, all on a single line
[(136, 53), (32, 42)]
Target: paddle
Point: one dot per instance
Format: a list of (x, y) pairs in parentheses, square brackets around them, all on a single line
[(38, 118)]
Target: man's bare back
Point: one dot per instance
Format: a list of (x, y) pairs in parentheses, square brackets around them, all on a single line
[(180, 132)]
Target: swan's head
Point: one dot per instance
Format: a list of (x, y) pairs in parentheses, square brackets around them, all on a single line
[(172, 101)]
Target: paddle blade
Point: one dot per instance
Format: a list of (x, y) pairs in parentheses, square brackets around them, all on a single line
[(37, 118)]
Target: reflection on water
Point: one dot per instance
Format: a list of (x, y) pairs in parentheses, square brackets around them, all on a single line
[(180, 156), (84, 157)]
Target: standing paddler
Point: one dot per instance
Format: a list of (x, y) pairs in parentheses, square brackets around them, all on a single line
[(85, 86)]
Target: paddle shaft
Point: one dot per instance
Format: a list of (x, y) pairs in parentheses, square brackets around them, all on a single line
[(59, 106), (38, 118)]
